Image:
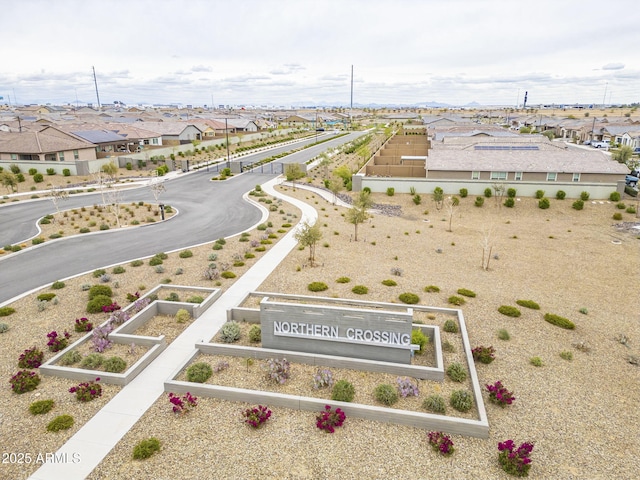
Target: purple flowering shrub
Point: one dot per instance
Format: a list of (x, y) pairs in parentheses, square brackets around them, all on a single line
[(515, 461), (140, 304), (441, 443), (100, 337), (118, 317), (328, 420), (323, 378), (182, 404), (256, 416), (499, 395), (58, 342), (83, 325), (31, 358), (87, 391), (278, 370), (407, 387), (24, 381), (484, 354)]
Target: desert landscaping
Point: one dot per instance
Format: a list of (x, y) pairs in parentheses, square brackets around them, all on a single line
[(578, 409)]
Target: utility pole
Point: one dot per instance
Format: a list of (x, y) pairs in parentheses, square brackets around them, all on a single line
[(226, 129), (95, 81)]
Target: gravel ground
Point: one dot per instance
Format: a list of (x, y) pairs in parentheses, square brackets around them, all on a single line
[(581, 414)]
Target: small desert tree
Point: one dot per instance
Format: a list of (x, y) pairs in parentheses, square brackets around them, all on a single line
[(309, 236), (157, 188), (335, 185), (358, 213), (57, 195), (451, 203), (324, 163), (500, 189), (487, 246), (438, 197), (623, 154), (110, 169), (293, 172)]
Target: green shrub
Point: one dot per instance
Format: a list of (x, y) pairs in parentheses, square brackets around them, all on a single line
[(343, 391), (584, 196), (466, 293), (41, 407), (37, 241), (509, 203), (155, 261), (137, 263), (536, 361), (431, 288), (621, 206), (461, 400), (66, 172), (419, 338), (118, 270), (450, 326), (389, 283), (479, 202), (578, 205), (104, 226), (96, 303), (186, 254), (614, 196), (57, 285), (46, 297), (38, 178), (631, 210), (386, 394), (217, 246), (93, 361), (70, 358), (173, 297), (435, 404), (409, 298), (391, 191), (199, 372), (488, 192), (343, 280), (509, 311), (228, 274), (503, 334), (455, 300), (544, 203), (360, 290), (617, 216), (115, 365), (566, 355), (230, 332), (255, 334), (528, 304), (539, 194), (561, 194), (146, 448), (183, 316), (4, 328), (559, 321), (464, 192), (456, 372), (96, 290), (317, 286), (33, 171), (6, 311), (511, 193), (84, 230), (63, 422)]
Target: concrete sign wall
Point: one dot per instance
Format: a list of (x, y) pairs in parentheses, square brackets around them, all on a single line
[(348, 332)]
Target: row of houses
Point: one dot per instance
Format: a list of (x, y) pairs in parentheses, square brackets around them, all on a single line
[(469, 156)]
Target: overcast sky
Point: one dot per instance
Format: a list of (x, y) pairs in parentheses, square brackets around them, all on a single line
[(284, 52)]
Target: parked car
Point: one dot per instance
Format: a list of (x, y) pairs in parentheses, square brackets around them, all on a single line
[(604, 144), (632, 178)]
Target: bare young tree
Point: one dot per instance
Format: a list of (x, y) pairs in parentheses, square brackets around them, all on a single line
[(336, 186), (157, 188), (499, 190), (487, 246), (358, 213), (57, 195), (114, 198), (450, 203), (100, 179)]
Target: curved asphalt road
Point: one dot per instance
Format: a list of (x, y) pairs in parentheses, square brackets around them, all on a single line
[(208, 210)]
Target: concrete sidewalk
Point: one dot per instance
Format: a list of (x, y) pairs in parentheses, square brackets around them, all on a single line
[(100, 434)]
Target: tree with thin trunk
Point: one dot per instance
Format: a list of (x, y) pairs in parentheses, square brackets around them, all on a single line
[(487, 246), (9, 180), (438, 197), (450, 204), (358, 213), (336, 186), (114, 199), (157, 187), (57, 195), (293, 172), (309, 236)]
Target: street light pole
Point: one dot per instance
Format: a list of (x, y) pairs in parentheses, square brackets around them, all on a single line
[(226, 129)]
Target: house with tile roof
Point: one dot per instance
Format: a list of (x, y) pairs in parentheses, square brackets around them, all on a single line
[(48, 147)]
